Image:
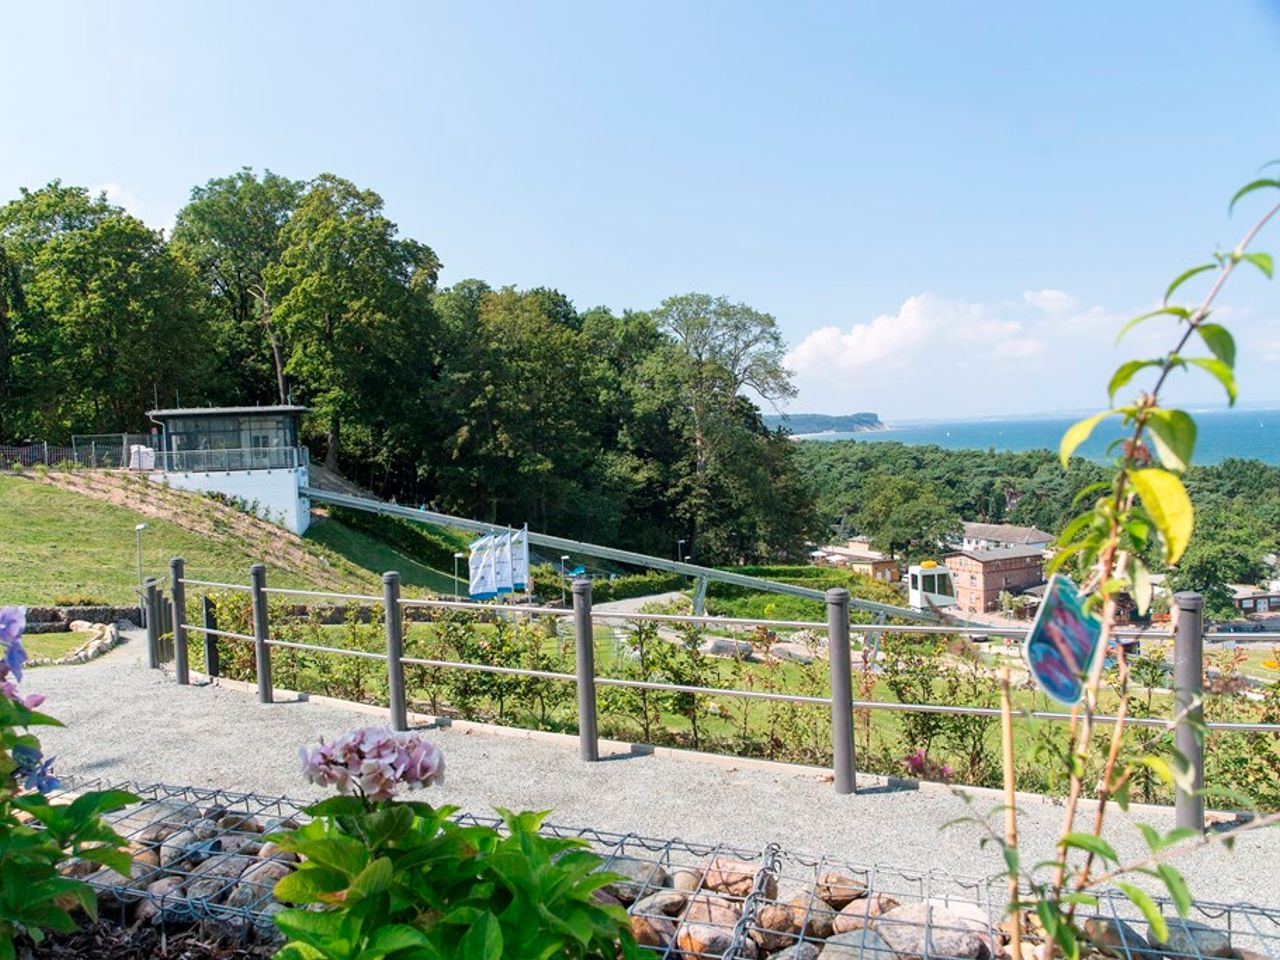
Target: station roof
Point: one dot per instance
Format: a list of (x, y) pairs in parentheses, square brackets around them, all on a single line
[(226, 411)]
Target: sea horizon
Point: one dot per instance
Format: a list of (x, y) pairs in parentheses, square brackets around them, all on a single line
[(1247, 432)]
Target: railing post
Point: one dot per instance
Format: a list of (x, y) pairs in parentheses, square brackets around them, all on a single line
[(395, 650), (262, 652), (1188, 679), (149, 602), (841, 689), (210, 617), (178, 592), (585, 663)]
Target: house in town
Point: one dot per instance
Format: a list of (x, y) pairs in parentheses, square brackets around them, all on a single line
[(982, 536), (981, 575), (861, 559), (1251, 599)]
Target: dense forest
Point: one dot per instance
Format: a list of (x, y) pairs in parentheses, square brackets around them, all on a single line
[(491, 402), (908, 497)]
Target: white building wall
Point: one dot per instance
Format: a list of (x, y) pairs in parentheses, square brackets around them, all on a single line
[(271, 494)]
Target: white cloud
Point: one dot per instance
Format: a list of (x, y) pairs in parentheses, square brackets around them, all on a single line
[(1051, 301), (127, 198)]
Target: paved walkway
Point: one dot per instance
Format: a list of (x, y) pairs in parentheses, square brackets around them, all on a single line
[(126, 722)]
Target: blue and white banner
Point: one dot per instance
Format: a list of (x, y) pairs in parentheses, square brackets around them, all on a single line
[(520, 559), (502, 562), (484, 583)]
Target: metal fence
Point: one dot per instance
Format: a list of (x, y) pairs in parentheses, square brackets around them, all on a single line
[(122, 451), (1187, 722), (199, 856)]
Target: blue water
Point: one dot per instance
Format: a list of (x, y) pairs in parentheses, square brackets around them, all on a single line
[(1248, 433)]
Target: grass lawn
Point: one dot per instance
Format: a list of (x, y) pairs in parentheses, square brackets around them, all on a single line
[(53, 645), (56, 542)]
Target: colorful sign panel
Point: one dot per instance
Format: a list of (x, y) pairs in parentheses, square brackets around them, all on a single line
[(1063, 642)]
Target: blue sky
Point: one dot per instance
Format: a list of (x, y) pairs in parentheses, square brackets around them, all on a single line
[(948, 207)]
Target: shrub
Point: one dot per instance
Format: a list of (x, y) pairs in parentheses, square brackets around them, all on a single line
[(400, 880)]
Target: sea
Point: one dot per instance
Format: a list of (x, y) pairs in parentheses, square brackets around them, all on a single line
[(1250, 433)]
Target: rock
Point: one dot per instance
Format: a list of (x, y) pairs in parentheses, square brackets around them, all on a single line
[(600, 896), (858, 913), (737, 878), (245, 844), (708, 909), (857, 945), (686, 880), (204, 828), (906, 929), (271, 851), (279, 825), (664, 902), (80, 626), (838, 889), (214, 879), (703, 939), (215, 812), (653, 931), (1114, 937), (791, 651), (144, 853), (1190, 939), (241, 822), (725, 647), (642, 877), (813, 916), (177, 849), (256, 883), (800, 951), (167, 894), (774, 927)]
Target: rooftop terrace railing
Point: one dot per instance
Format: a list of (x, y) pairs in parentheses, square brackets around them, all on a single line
[(1189, 635)]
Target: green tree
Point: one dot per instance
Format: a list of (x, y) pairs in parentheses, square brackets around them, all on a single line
[(352, 302), (230, 231), (902, 513)]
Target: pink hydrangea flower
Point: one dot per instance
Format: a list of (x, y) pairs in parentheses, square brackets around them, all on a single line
[(375, 762)]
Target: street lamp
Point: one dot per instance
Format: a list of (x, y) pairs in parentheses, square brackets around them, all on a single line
[(456, 558), (680, 550), (564, 576)]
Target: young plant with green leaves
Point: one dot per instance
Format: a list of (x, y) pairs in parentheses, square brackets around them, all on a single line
[(388, 879), (1142, 512)]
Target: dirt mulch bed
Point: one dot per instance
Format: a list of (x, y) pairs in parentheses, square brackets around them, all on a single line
[(106, 941)]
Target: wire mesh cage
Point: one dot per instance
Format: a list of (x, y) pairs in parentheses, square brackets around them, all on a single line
[(200, 855)]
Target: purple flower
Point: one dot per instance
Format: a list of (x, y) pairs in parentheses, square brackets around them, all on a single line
[(13, 620), (9, 690), (15, 655), (375, 761), (34, 770)]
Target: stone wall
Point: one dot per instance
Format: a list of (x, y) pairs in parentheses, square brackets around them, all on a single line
[(58, 619)]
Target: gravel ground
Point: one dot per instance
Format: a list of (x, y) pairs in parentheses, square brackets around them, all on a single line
[(124, 722)]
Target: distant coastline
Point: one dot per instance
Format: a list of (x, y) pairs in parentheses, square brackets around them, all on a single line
[(803, 425)]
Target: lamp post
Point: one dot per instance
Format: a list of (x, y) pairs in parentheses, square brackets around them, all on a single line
[(564, 575), (680, 550), (137, 530), (456, 558)]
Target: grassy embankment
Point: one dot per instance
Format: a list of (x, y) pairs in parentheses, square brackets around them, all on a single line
[(71, 535)]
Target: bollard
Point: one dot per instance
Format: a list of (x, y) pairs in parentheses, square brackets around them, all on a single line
[(1188, 679), (841, 689), (210, 617), (395, 650), (585, 668), (149, 602), (261, 652), (178, 589)]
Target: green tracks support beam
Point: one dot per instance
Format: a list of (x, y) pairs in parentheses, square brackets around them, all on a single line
[(564, 545)]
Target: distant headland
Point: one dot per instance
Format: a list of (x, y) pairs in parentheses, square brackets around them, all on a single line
[(800, 423)]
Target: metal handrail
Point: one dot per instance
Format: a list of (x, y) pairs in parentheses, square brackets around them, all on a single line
[(216, 585), (322, 593), (219, 633)]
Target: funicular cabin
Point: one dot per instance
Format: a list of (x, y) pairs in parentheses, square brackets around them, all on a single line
[(249, 454)]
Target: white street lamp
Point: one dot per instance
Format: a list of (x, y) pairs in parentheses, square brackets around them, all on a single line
[(456, 558), (564, 576), (680, 550), (142, 613)]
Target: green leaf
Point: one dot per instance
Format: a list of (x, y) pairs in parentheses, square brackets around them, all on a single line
[(1141, 578), (89, 805), (344, 854), (1166, 500), (308, 886), (1177, 888), (1159, 929), (1125, 372), (1262, 261), (309, 925), (1219, 341), (1174, 434), (483, 941), (1094, 845), (1176, 776), (1249, 188), (1078, 433), (1185, 276), (373, 879), (397, 936), (1221, 372), (1180, 312)]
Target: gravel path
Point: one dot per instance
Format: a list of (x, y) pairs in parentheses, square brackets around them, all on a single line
[(124, 722)]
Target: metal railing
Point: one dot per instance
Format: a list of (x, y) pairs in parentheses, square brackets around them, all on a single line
[(1188, 723), (221, 461)]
